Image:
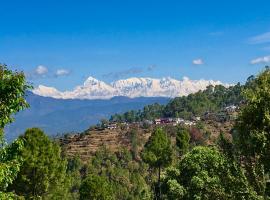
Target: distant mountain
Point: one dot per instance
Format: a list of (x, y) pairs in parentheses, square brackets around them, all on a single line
[(132, 87), (67, 115)]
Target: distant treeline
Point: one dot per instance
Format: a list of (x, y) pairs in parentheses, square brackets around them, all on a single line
[(213, 99)]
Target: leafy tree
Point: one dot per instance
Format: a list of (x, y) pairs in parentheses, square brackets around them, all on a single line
[(204, 173), (42, 173), (158, 153), (134, 143), (226, 146), (182, 140), (10, 163), (96, 187), (253, 131), (126, 177), (74, 169), (12, 91)]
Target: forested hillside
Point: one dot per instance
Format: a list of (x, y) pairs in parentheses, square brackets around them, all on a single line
[(207, 160), (213, 99)]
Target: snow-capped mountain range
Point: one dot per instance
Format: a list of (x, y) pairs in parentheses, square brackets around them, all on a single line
[(131, 87)]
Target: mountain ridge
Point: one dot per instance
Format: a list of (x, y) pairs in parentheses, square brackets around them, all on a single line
[(71, 115), (132, 87)]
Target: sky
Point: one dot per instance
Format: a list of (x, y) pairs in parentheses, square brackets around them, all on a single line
[(61, 43)]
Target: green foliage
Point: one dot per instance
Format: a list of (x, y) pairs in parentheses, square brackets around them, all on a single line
[(213, 99), (32, 167), (253, 130), (74, 167), (12, 89), (226, 146), (158, 150), (123, 175), (43, 169), (152, 112), (182, 140), (96, 187), (158, 153), (204, 173), (10, 163), (134, 143)]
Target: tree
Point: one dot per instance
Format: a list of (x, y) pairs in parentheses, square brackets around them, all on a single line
[(74, 170), (226, 146), (42, 173), (205, 173), (182, 140), (95, 187), (12, 90), (126, 177), (10, 163), (13, 87), (134, 143), (158, 153), (253, 131)]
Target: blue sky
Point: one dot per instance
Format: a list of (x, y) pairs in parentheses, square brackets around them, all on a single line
[(60, 43)]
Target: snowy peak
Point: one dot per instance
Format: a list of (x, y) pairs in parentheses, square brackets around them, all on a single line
[(92, 81), (131, 87), (47, 91)]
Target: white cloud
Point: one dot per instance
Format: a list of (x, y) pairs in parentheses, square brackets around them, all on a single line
[(264, 59), (262, 38), (41, 70), (198, 61), (62, 72)]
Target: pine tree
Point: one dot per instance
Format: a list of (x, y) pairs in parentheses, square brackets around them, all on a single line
[(158, 153), (43, 170), (182, 140)]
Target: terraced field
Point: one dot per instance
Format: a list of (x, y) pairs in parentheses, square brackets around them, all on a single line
[(85, 145)]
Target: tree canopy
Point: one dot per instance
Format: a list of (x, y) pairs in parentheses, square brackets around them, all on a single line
[(158, 153), (13, 87), (253, 130), (204, 173), (43, 169)]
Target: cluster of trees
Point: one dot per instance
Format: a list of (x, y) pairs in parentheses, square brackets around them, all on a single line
[(213, 99), (34, 166)]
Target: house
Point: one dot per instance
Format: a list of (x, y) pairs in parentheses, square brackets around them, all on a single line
[(157, 121), (112, 126), (189, 123), (166, 120), (163, 121), (148, 122), (231, 109)]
